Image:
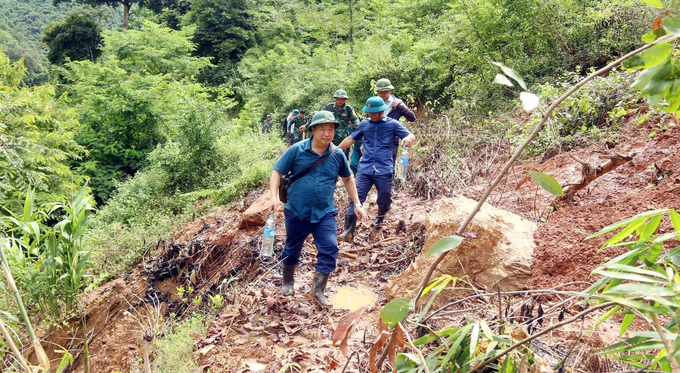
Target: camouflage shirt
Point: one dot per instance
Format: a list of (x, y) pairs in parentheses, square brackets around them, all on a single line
[(294, 126), (346, 116)]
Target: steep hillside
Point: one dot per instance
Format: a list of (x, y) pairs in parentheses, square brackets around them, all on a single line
[(254, 328)]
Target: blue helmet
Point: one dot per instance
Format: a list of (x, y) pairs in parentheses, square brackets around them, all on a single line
[(375, 104), (296, 112)]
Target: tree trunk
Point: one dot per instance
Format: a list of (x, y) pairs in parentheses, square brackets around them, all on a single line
[(126, 14)]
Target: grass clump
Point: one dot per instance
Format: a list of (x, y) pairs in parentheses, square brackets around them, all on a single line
[(174, 350)]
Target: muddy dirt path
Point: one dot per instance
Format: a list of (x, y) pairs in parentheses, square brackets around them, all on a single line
[(258, 330)]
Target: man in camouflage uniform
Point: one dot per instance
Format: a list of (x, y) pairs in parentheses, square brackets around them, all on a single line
[(345, 115), (267, 124), (296, 126)]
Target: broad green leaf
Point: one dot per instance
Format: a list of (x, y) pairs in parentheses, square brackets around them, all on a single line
[(671, 25), (627, 320), (396, 310), (512, 73), (660, 80), (444, 245), (655, 3), (656, 54), (547, 182), (502, 80), (675, 220), (529, 100), (645, 77), (413, 357), (640, 290), (651, 36), (634, 62), (650, 227)]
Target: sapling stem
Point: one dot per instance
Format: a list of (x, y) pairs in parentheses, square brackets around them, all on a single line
[(39, 351)]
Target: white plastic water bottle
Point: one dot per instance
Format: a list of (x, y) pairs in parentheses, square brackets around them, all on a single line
[(402, 166), (268, 238)]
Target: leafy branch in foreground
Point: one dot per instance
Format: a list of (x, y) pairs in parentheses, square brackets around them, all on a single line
[(649, 291)]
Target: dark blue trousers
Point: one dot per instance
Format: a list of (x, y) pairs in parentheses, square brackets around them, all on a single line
[(325, 237), (383, 183)]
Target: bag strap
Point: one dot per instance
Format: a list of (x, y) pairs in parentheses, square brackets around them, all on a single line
[(318, 162)]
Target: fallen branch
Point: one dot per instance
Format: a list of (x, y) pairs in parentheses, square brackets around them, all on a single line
[(589, 172)]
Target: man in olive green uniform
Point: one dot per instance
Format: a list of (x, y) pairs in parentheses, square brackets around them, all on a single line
[(296, 126), (345, 115)]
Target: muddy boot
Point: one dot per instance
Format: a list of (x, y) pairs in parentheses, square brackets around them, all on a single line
[(288, 279), (350, 226), (318, 286), (379, 219)]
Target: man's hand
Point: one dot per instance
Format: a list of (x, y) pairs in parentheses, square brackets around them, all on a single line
[(302, 128), (408, 141), (274, 204), (395, 103), (360, 213)]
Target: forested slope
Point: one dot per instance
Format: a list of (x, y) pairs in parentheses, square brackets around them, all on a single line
[(162, 124)]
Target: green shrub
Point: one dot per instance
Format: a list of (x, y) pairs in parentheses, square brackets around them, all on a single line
[(174, 350)]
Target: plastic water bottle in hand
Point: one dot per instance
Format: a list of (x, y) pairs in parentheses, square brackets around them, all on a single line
[(268, 238), (402, 166)]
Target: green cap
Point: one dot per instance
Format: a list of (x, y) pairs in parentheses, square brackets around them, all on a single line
[(340, 93), (322, 117), (296, 112), (383, 85), (375, 104)]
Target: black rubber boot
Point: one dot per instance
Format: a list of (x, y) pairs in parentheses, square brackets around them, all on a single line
[(350, 226), (318, 287), (288, 279), (379, 219)]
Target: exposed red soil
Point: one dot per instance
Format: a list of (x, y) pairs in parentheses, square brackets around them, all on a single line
[(257, 326)]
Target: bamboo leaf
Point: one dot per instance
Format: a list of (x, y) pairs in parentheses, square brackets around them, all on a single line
[(641, 290), (474, 338), (547, 182), (675, 220), (634, 304), (632, 269), (625, 232), (621, 223), (627, 320), (650, 227)]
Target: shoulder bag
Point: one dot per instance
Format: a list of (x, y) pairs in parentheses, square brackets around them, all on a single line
[(287, 180)]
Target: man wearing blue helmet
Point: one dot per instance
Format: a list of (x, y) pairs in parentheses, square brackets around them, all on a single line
[(377, 163)]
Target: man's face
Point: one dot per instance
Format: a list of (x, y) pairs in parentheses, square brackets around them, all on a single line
[(302, 115), (324, 132), (384, 95), (340, 101), (376, 116)]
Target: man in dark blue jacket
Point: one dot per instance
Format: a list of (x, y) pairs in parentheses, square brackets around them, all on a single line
[(310, 205), (377, 163)]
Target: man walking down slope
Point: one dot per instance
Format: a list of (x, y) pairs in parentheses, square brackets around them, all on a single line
[(345, 115), (396, 108), (377, 163), (310, 204)]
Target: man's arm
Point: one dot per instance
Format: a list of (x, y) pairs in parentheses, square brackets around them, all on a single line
[(406, 112), (351, 188), (274, 182), (346, 143)]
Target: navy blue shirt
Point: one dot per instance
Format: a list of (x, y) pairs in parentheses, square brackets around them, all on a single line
[(310, 198), (377, 158)]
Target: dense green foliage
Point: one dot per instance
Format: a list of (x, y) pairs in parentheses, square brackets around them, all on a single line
[(36, 137), (77, 38)]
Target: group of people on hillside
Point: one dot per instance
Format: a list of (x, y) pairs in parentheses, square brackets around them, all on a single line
[(310, 204)]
